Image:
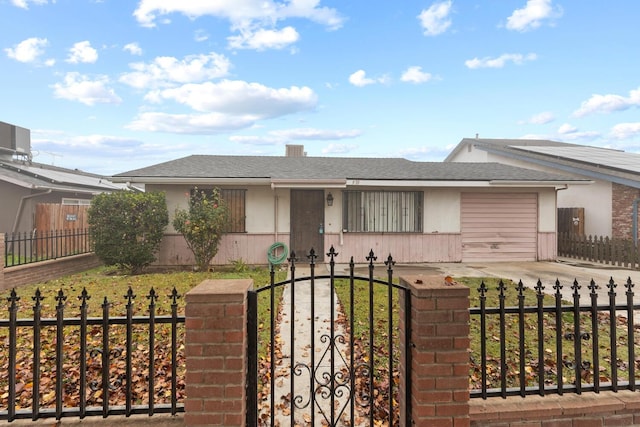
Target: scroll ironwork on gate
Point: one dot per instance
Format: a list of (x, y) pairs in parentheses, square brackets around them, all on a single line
[(326, 349)]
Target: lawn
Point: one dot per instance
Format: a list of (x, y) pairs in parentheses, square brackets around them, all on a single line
[(514, 335), (103, 285)]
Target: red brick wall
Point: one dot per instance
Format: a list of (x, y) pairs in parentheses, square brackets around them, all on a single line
[(570, 410), (216, 353), (11, 277), (439, 353), (622, 210)]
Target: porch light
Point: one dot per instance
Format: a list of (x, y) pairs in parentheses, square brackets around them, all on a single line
[(329, 199)]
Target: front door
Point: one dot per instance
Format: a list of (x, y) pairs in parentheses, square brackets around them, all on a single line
[(307, 223)]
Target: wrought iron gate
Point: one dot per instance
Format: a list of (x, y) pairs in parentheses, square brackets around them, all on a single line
[(328, 349)]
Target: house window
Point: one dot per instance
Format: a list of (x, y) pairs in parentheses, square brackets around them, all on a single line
[(76, 202), (235, 203), (235, 200), (383, 211)]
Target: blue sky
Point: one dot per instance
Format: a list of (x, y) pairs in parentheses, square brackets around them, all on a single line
[(108, 86)]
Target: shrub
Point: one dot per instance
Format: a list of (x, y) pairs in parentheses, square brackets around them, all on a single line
[(126, 228), (203, 224)]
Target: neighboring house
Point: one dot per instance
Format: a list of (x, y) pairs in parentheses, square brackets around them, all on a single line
[(415, 211), (610, 204), (24, 184)]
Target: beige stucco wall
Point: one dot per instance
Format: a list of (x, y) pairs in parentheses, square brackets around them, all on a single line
[(441, 225), (442, 211)]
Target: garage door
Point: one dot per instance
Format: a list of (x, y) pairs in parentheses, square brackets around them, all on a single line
[(499, 227)]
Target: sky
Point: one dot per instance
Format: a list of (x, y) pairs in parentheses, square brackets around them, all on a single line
[(108, 86)]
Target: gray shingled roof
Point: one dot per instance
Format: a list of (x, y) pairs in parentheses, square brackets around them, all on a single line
[(207, 166), (593, 162)]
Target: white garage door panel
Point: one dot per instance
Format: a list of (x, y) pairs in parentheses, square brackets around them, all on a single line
[(499, 227)]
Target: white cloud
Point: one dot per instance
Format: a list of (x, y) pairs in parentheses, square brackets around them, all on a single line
[(532, 15), (435, 20), (625, 130), (82, 52), (567, 128), (256, 140), (608, 103), (425, 153), (339, 148), (133, 49), (224, 106), (568, 132), (251, 17), (201, 35), (264, 39), (167, 70), (360, 79), (240, 98), (316, 134), (541, 118), (27, 50), (24, 4), (499, 62), (415, 75), (196, 124), (80, 88)]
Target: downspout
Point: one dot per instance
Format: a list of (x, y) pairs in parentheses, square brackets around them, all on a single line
[(275, 214), (635, 221), (21, 206)]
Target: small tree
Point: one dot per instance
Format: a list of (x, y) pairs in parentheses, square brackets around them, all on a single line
[(126, 227), (203, 224)]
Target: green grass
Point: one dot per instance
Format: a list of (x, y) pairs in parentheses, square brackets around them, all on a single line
[(512, 336), (103, 283)]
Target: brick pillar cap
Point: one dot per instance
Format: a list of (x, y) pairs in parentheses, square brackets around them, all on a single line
[(222, 289), (421, 283)]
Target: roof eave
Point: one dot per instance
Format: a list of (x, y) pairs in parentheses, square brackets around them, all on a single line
[(519, 183), (189, 180)]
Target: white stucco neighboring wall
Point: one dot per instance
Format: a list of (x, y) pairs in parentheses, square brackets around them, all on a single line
[(597, 201), (547, 211)]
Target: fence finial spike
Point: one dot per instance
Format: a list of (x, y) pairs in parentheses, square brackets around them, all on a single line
[(629, 285)]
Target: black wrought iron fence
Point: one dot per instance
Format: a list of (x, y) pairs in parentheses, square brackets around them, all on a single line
[(27, 247), (90, 366), (553, 346)]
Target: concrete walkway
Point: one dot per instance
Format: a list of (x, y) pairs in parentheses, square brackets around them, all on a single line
[(309, 347)]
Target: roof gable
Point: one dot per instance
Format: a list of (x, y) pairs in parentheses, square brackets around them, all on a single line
[(592, 162)]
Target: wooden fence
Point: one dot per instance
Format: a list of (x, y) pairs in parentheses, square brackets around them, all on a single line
[(56, 217), (623, 253)]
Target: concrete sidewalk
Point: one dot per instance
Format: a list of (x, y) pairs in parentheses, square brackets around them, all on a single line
[(310, 345)]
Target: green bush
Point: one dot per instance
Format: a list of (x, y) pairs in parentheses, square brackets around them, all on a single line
[(203, 224), (126, 228)]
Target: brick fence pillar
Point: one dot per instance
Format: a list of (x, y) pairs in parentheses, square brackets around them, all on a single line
[(439, 395), (216, 353)]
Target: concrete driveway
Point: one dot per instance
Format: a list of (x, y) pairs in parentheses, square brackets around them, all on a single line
[(565, 270)]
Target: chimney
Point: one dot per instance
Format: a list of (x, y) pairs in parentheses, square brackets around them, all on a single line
[(295, 151)]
